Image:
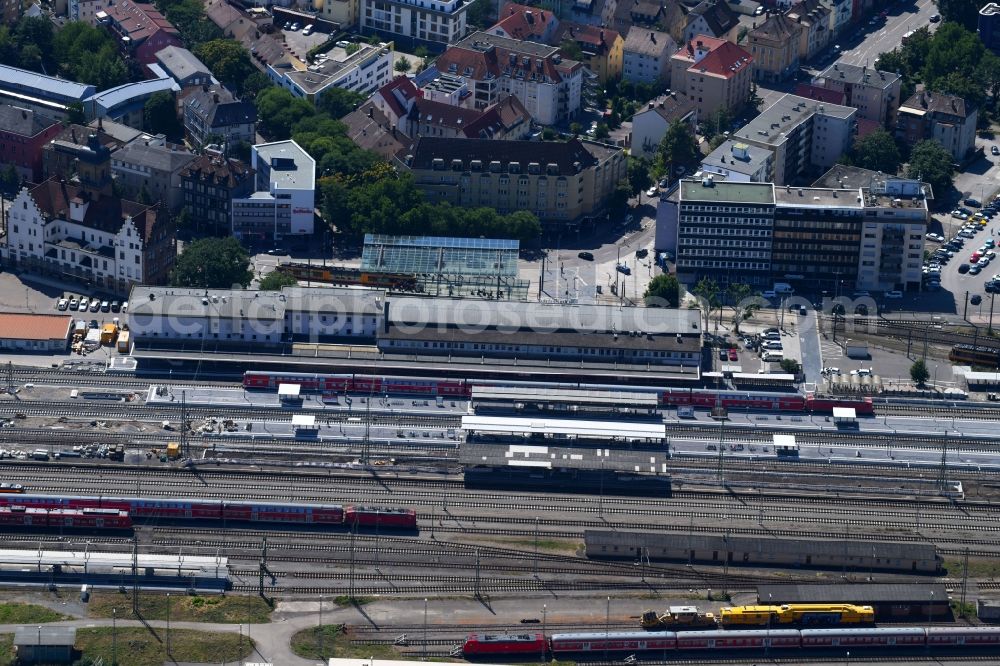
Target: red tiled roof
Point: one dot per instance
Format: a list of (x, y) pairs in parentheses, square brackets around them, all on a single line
[(819, 94), (15, 326), (476, 64), (591, 35), (398, 93), (724, 59), (521, 22), (139, 20)]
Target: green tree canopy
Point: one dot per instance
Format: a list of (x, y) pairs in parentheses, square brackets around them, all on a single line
[(86, 54), (403, 65), (677, 148), (338, 102), (708, 290), (212, 263), (877, 151), (741, 297), (480, 14), (931, 163), (570, 49), (919, 372), (962, 12), (275, 280), (160, 114), (188, 16), (9, 181), (663, 289), (228, 60), (639, 178), (278, 111), (791, 366)]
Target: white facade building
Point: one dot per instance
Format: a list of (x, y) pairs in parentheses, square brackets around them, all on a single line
[(433, 22), (892, 240), (646, 56), (284, 203), (363, 71)]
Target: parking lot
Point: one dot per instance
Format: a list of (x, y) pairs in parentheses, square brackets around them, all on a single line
[(957, 283)]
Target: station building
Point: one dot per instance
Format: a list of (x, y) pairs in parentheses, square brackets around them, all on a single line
[(275, 321)]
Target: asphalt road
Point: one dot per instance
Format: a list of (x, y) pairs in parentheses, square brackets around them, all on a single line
[(866, 43)]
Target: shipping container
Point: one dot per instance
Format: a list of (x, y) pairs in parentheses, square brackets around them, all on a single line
[(123, 342)]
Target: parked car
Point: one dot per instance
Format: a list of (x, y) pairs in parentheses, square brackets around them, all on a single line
[(975, 270), (934, 18), (734, 354), (95, 305), (652, 192), (105, 306), (895, 293), (995, 150), (976, 299), (62, 304), (588, 256), (84, 304), (964, 268), (125, 306), (723, 355), (935, 237), (642, 253), (975, 203), (622, 268)]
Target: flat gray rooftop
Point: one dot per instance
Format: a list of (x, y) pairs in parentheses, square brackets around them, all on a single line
[(693, 190)]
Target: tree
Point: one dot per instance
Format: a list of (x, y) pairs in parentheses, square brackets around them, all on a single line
[(257, 82), (877, 151), (963, 12), (791, 366), (338, 102), (707, 289), (678, 147), (575, 129), (570, 49), (602, 131), (212, 263), (228, 60), (740, 296), (663, 289), (639, 178), (931, 163), (159, 114), (275, 280), (403, 65), (480, 14), (10, 182), (919, 373), (278, 111)]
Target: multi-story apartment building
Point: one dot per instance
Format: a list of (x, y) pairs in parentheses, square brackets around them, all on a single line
[(363, 70), (814, 18), (89, 237), (724, 231), (873, 93), (774, 45), (210, 183), (602, 48), (803, 134), (151, 172), (345, 13), (213, 115), (649, 125), (561, 183), (892, 242), (646, 56), (740, 162), (714, 73), (431, 23), (947, 119), (548, 85), (140, 29), (284, 201), (23, 135), (713, 18)]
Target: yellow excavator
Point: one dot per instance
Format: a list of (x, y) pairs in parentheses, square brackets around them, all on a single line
[(677, 617)]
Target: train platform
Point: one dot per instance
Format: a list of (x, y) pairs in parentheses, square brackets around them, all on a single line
[(340, 359), (549, 457)]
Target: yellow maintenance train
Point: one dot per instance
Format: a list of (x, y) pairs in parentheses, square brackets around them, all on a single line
[(797, 614)]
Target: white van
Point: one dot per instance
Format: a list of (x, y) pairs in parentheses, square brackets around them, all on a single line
[(773, 356), (306, 31)]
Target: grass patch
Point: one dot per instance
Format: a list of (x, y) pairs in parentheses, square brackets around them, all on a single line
[(344, 600), (227, 610), (963, 610), (18, 613), (552, 545), (138, 647), (337, 643), (6, 649), (977, 568)]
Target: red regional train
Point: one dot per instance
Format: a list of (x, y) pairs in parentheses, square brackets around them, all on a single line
[(708, 398), (559, 645), (220, 510), (91, 519)]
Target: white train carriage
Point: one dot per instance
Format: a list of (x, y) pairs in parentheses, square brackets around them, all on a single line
[(738, 640), (970, 636), (864, 638), (615, 641)]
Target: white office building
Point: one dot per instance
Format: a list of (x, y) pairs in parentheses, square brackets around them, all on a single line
[(284, 203)]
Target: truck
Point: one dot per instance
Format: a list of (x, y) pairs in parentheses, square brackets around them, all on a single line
[(123, 342), (173, 451), (856, 349), (117, 452), (108, 334)]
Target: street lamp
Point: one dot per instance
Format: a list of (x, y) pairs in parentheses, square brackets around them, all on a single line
[(168, 623), (114, 637), (425, 628)]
